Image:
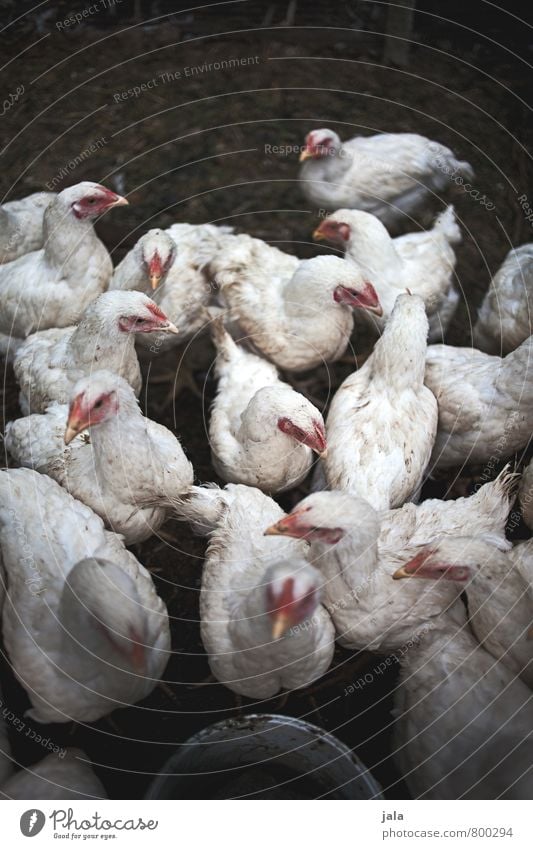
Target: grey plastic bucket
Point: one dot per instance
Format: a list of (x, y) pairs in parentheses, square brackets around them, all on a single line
[(264, 756)]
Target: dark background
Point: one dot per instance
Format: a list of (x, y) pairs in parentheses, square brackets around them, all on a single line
[(194, 150)]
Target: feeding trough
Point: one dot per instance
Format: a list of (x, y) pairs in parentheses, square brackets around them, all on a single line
[(264, 756)]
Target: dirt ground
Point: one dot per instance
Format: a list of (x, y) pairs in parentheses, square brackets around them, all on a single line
[(193, 146)]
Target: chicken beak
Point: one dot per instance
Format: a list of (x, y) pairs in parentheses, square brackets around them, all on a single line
[(377, 310), (313, 436), (280, 623), (170, 328), (318, 235), (305, 154), (287, 526), (275, 530), (70, 433), (410, 569), (401, 573), (155, 270), (120, 201), (74, 427), (316, 441)]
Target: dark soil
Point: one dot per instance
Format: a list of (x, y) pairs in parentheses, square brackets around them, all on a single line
[(193, 148)]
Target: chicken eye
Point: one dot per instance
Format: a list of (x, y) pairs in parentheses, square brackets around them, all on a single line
[(98, 404), (91, 200)]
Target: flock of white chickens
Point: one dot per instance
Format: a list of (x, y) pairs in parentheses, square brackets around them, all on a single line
[(83, 627)]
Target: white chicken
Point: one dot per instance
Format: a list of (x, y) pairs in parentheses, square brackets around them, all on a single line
[(67, 775), (172, 267), (485, 403), (358, 550), (504, 319), (205, 239), (500, 598), (51, 287), (131, 498), (422, 262), (21, 225), (49, 363), (261, 432), (382, 421), (391, 175), (297, 313), (262, 622), (463, 720), (83, 627)]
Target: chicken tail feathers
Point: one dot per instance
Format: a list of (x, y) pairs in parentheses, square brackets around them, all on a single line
[(506, 483), (458, 166), (494, 500), (446, 224), (201, 506), (465, 169)]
